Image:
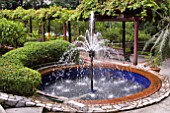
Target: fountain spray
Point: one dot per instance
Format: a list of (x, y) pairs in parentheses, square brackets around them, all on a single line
[(91, 51)]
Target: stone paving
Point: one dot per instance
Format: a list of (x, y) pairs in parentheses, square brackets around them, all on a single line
[(2, 109), (73, 106), (25, 110)]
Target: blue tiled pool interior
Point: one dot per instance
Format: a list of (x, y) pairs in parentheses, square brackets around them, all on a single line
[(105, 82)]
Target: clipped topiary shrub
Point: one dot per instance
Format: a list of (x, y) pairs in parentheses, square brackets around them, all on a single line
[(16, 77), (37, 53), (23, 81), (10, 63)]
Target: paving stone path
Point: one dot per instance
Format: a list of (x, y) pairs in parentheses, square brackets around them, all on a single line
[(25, 110), (2, 109)]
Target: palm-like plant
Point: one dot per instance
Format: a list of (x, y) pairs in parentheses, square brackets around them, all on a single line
[(161, 40)]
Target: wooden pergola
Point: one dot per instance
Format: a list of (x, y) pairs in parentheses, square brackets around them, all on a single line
[(115, 11), (125, 19)]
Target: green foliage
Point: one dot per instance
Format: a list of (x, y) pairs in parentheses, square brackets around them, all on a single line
[(22, 81), (34, 36), (143, 36), (100, 7), (113, 31), (165, 5), (36, 53), (154, 61), (161, 39), (16, 77), (53, 12), (12, 33), (10, 63), (118, 7)]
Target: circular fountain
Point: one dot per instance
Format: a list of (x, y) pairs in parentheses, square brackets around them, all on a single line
[(113, 83), (97, 85)]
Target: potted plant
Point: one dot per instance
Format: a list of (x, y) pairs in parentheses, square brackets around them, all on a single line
[(154, 62)]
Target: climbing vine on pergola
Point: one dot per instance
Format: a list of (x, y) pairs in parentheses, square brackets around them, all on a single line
[(114, 8), (41, 15)]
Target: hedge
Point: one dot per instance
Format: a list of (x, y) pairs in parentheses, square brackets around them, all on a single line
[(16, 75), (39, 52)]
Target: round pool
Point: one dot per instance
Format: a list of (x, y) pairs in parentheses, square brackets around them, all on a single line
[(113, 83)]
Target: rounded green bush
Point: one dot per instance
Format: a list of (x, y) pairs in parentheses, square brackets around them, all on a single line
[(16, 75), (37, 53), (23, 81), (10, 63)]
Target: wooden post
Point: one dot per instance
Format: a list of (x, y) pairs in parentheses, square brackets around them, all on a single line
[(30, 25), (48, 26), (64, 31), (69, 31), (123, 37), (43, 29), (135, 60)]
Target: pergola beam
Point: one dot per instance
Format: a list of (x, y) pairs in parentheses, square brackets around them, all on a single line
[(117, 19)]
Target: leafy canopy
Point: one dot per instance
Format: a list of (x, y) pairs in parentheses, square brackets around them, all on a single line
[(53, 12), (117, 7)]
